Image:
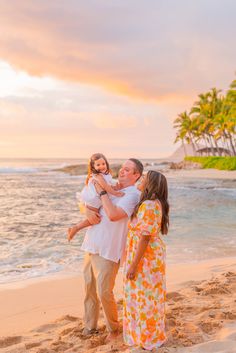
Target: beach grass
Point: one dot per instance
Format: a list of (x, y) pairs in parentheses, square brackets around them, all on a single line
[(222, 163)]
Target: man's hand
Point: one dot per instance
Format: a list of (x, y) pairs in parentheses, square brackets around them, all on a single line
[(92, 216), (98, 187)]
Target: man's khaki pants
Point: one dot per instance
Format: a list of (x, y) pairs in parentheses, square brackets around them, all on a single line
[(99, 276)]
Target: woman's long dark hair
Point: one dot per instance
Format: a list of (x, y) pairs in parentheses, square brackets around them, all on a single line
[(156, 188), (91, 169)]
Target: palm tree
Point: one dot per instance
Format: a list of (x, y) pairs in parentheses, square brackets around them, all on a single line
[(227, 118), (186, 129), (180, 137), (205, 109), (231, 128), (211, 120)]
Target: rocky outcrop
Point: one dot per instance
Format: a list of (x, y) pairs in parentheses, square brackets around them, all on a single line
[(82, 169), (185, 165), (77, 169)]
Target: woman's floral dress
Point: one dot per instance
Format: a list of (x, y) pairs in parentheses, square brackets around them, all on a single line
[(144, 297)]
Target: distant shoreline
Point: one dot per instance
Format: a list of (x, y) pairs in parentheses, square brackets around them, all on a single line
[(170, 173), (202, 174)]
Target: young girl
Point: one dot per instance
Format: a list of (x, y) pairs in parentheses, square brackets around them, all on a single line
[(98, 168)]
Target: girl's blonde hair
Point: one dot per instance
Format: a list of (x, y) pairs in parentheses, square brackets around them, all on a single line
[(91, 168), (156, 188)]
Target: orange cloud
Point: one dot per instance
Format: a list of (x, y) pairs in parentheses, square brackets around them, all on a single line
[(101, 45)]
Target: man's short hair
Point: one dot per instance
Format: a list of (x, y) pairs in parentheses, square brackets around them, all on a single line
[(138, 165)]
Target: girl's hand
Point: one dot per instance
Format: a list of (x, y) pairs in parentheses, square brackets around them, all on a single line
[(116, 187), (119, 193), (131, 272)]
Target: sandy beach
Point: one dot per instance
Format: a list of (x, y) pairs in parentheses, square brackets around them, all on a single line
[(46, 316), (201, 173)]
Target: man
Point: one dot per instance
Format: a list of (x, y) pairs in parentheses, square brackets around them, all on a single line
[(104, 244)]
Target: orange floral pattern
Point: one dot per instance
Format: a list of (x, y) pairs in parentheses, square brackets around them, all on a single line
[(145, 296)]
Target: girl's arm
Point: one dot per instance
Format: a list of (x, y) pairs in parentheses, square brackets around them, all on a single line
[(142, 246), (114, 213), (107, 187)]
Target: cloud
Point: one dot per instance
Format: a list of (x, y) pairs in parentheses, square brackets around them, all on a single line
[(107, 75), (9, 109), (144, 51), (79, 128), (111, 121)]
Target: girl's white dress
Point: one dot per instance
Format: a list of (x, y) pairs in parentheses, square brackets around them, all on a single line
[(89, 195)]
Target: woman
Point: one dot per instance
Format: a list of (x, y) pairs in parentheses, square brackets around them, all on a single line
[(144, 281)]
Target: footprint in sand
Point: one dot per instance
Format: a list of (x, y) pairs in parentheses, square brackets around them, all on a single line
[(32, 345), (45, 328), (175, 296), (9, 341), (210, 326), (68, 331), (68, 318), (60, 346)]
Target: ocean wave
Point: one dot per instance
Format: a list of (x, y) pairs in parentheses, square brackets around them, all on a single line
[(12, 272), (229, 189), (17, 170), (37, 209)]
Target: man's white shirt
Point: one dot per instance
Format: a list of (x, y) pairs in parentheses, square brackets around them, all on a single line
[(107, 238)]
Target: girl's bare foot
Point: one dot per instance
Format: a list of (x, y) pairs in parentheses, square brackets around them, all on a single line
[(71, 233)]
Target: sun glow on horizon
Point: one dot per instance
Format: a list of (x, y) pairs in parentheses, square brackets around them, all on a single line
[(16, 82)]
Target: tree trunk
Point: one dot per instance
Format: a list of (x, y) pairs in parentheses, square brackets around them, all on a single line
[(205, 139), (226, 142), (217, 147), (192, 143), (197, 147), (183, 144), (231, 144), (212, 147)]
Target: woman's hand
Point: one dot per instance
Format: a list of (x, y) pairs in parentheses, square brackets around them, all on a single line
[(131, 272)]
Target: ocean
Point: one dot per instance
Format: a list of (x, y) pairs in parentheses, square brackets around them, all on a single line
[(38, 205)]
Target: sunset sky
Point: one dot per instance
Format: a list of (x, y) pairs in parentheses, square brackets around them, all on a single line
[(78, 77)]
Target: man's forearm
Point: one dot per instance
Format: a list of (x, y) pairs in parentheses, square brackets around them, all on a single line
[(113, 212), (108, 206)]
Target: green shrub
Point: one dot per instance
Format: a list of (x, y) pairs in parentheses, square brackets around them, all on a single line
[(222, 163)]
